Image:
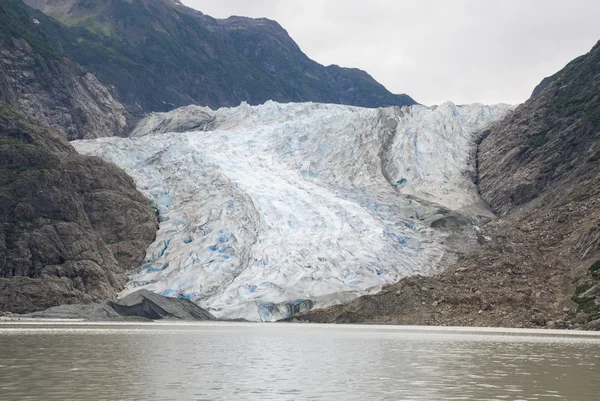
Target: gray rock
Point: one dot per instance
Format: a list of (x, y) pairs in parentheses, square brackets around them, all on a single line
[(57, 92), (594, 325), (183, 119), (70, 225), (539, 320), (142, 305), (548, 148)]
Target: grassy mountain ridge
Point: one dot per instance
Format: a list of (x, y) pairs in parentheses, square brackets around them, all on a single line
[(37, 77), (159, 54)]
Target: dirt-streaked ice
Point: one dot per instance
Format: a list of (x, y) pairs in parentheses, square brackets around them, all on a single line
[(272, 209)]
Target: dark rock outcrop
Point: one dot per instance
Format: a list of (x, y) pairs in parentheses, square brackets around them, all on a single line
[(40, 82), (141, 305), (70, 225), (266, 44), (549, 146), (539, 169), (592, 326)]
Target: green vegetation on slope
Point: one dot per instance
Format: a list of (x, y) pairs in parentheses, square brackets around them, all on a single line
[(159, 55), (17, 21)]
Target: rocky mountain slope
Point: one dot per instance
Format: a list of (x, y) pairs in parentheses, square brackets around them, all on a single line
[(70, 225), (42, 83), (270, 210), (159, 54), (539, 169)]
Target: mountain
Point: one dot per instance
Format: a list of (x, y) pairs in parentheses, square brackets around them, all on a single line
[(70, 225), (447, 215), (269, 210), (539, 170), (159, 54), (44, 84)]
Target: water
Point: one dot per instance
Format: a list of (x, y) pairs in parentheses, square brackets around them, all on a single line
[(220, 361)]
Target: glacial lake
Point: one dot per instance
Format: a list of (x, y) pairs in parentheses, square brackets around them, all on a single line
[(238, 361)]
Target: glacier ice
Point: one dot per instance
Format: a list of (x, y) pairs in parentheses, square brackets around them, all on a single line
[(273, 209)]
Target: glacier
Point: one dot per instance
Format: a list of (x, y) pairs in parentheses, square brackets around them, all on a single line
[(269, 210)]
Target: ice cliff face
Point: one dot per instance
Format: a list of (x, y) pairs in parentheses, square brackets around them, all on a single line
[(270, 210)]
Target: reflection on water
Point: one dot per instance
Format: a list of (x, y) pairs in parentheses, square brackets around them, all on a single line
[(219, 361)]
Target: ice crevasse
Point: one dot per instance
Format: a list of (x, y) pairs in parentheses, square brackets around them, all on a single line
[(266, 211)]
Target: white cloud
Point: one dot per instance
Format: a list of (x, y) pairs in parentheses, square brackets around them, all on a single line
[(435, 50)]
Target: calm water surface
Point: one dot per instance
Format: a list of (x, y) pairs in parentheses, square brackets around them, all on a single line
[(220, 361)]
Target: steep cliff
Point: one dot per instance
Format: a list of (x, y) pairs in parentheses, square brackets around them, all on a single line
[(539, 169), (42, 83), (70, 225), (548, 148)]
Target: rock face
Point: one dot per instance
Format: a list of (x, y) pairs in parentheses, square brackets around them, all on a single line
[(539, 169), (70, 225), (159, 54), (593, 325), (548, 148), (42, 83), (587, 297), (142, 304), (273, 209)]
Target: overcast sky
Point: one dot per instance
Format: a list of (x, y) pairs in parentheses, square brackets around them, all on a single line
[(486, 51)]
